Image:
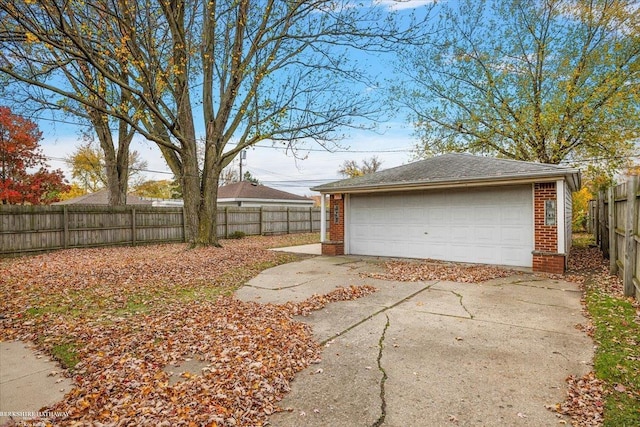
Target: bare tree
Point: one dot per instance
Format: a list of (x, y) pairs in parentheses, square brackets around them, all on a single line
[(239, 71), (351, 168)]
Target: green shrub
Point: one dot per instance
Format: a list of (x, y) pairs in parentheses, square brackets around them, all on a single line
[(237, 235)]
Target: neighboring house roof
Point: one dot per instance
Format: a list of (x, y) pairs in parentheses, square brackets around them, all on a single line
[(451, 170), (249, 191), (101, 197)]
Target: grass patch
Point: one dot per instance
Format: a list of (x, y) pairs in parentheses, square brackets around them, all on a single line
[(71, 304), (66, 354), (63, 309), (295, 240), (133, 306), (583, 240), (204, 292), (227, 283), (617, 359)]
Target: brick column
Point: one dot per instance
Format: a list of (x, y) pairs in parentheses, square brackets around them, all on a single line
[(545, 255), (335, 245)]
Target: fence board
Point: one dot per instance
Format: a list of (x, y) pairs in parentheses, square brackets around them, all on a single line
[(25, 229), (619, 232)]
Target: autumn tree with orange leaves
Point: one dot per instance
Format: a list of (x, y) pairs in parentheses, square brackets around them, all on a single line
[(24, 177)]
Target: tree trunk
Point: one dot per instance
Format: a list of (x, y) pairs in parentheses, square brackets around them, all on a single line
[(116, 161)]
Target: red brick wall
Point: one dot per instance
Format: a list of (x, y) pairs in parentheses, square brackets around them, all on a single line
[(548, 263), (332, 248), (545, 255), (336, 229), (335, 245), (546, 236)]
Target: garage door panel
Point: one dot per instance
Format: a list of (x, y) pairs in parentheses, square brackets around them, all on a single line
[(509, 235), (414, 233), (513, 254), (436, 235), (461, 232), (436, 216), (414, 214), (433, 252), (478, 254), (481, 225), (483, 234), (513, 215)]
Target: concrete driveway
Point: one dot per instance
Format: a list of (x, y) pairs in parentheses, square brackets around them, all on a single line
[(430, 353)]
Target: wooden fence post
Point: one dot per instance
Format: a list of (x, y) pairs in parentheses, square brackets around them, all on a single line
[(288, 222), (311, 220), (65, 226), (226, 222), (613, 244), (133, 226), (261, 221), (602, 225), (595, 225), (184, 225), (630, 232)]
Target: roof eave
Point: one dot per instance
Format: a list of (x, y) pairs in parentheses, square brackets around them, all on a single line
[(571, 175), (247, 199)]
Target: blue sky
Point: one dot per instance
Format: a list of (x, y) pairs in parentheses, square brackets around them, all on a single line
[(271, 166), (392, 143)]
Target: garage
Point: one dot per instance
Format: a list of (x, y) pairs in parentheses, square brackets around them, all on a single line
[(489, 226), (455, 207)]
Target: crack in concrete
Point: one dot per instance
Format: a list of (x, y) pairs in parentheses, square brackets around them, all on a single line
[(531, 328), (280, 288), (543, 304), (383, 401), (382, 310), (525, 282), (461, 304), (557, 352), (548, 288)]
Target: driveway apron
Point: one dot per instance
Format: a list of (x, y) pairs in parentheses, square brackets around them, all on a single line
[(430, 353)]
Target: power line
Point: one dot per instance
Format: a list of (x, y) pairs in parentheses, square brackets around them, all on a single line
[(301, 182)]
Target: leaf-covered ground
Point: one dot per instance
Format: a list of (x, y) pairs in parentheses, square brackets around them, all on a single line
[(121, 319), (412, 271), (610, 395)]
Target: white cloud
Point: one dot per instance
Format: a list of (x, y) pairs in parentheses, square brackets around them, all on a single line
[(404, 4)]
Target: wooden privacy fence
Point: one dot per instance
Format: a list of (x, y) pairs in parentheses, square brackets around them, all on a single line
[(26, 229), (616, 225)]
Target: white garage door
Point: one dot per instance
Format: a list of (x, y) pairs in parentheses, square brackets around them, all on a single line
[(490, 226)]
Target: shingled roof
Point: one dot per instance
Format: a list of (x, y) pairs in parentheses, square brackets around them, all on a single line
[(453, 169), (246, 190), (101, 197)]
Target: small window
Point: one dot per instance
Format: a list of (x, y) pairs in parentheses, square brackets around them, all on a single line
[(550, 212)]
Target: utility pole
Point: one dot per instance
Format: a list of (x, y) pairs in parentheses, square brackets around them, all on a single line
[(243, 155)]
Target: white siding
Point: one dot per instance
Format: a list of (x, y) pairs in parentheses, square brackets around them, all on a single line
[(568, 215)]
